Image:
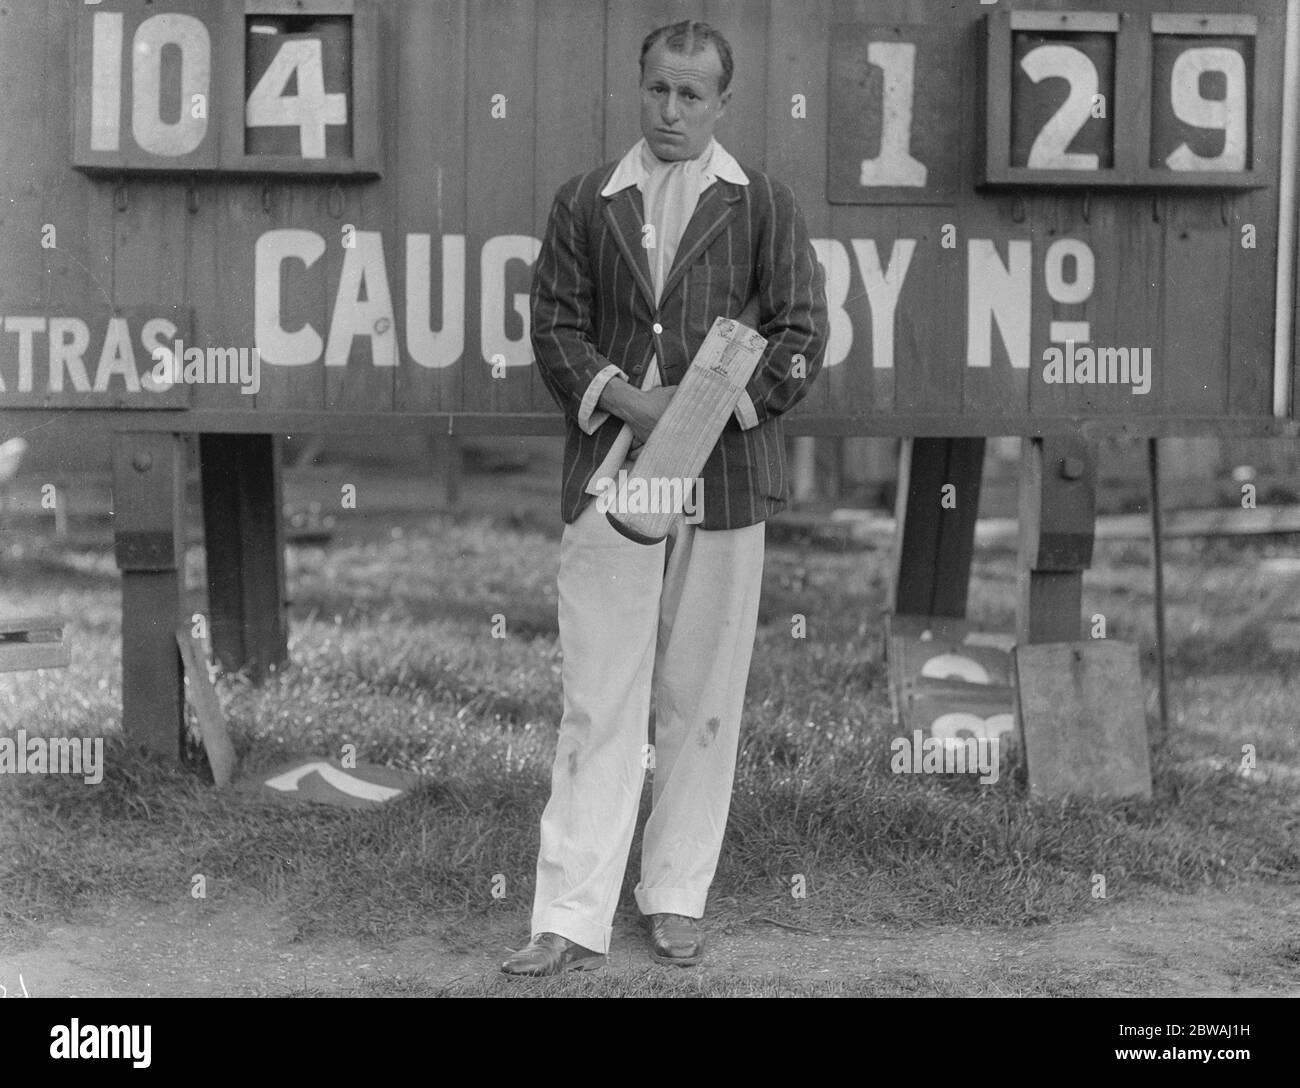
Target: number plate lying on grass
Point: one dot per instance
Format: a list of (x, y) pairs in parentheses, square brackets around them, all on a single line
[(949, 680), (328, 782), (33, 642)]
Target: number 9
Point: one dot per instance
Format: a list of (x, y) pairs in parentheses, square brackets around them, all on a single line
[(1227, 113)]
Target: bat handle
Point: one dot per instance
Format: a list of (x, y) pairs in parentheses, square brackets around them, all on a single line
[(630, 533)]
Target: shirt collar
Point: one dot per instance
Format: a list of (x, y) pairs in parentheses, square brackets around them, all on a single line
[(632, 168)]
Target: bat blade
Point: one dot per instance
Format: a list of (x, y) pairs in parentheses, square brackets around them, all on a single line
[(655, 491)]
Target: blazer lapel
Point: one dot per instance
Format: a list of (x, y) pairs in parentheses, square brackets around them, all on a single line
[(717, 208), (625, 215)]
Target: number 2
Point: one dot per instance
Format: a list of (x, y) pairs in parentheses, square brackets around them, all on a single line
[(1049, 151)]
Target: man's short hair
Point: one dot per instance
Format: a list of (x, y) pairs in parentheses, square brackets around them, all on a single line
[(690, 37)]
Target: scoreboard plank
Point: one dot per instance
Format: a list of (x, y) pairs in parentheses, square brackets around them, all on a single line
[(627, 23), (149, 244), (301, 287), (362, 331), (1138, 299), (81, 240), (1052, 217), (862, 382), (201, 275), (22, 89), (795, 153), (1118, 289), (743, 131), (501, 80), (1250, 317), (1195, 347), (929, 348), (929, 352), (569, 141), (427, 150), (1250, 320), (998, 311)]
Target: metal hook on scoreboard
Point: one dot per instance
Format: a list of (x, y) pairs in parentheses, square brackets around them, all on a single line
[(191, 196), (121, 199), (266, 197), (1018, 209), (335, 205), (1155, 208), (1224, 216), (1087, 206)]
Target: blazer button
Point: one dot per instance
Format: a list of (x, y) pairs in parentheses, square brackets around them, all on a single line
[(658, 328)]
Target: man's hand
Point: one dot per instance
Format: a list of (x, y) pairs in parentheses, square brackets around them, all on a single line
[(639, 409)]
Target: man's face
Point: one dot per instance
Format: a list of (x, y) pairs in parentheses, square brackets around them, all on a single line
[(680, 103)]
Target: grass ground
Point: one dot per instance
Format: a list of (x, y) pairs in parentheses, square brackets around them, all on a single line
[(392, 651)]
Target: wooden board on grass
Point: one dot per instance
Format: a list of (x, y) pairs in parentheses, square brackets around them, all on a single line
[(212, 723), (1083, 719)]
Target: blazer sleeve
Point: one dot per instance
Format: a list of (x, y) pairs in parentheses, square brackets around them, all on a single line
[(562, 302), (792, 312)]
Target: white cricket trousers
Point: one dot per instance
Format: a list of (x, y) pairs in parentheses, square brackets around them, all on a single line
[(681, 614)]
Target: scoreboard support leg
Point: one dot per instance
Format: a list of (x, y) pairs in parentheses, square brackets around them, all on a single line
[(149, 543), (938, 500), (1058, 504), (244, 535), (1158, 571), (448, 457)]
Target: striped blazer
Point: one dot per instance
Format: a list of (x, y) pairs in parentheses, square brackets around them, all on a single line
[(593, 304)]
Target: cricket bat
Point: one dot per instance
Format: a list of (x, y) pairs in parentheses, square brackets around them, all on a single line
[(648, 499)]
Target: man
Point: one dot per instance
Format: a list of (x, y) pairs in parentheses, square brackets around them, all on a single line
[(639, 258)]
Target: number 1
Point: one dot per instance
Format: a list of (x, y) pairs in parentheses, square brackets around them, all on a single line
[(894, 165)]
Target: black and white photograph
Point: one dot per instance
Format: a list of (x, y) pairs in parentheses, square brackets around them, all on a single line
[(650, 499)]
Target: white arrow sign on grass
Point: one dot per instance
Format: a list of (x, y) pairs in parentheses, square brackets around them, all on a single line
[(340, 780)]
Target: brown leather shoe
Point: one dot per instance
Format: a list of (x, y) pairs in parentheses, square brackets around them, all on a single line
[(676, 939), (551, 954)]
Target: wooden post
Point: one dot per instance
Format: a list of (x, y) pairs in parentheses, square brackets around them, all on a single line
[(1158, 569), (803, 466), (1058, 505), (244, 535), (935, 534), (207, 708), (449, 463), (149, 544), (61, 507)]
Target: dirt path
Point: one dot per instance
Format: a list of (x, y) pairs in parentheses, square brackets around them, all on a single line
[(1246, 943)]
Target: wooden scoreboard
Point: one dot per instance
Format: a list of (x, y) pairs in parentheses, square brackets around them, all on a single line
[(1039, 218)]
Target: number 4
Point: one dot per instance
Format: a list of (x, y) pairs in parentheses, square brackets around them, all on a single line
[(311, 109)]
